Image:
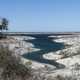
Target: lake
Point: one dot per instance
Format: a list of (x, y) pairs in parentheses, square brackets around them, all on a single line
[(46, 45)]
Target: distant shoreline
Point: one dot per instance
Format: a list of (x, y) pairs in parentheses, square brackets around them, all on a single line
[(39, 33)]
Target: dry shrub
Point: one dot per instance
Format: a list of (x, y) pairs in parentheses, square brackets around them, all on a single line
[(12, 67)]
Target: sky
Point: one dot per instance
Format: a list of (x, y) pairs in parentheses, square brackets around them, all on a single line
[(41, 15)]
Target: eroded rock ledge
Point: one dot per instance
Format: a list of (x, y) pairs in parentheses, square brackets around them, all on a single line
[(70, 57)]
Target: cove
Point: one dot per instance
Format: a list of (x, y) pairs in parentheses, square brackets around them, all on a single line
[(46, 45)]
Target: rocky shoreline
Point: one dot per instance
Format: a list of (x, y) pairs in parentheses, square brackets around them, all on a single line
[(70, 56)]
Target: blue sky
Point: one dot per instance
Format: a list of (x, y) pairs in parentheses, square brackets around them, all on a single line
[(41, 15)]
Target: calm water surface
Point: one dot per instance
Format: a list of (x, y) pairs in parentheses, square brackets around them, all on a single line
[(46, 45)]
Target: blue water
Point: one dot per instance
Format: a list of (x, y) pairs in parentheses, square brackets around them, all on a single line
[(46, 45)]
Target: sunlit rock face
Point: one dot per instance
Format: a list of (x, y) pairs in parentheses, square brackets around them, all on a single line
[(24, 38)]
